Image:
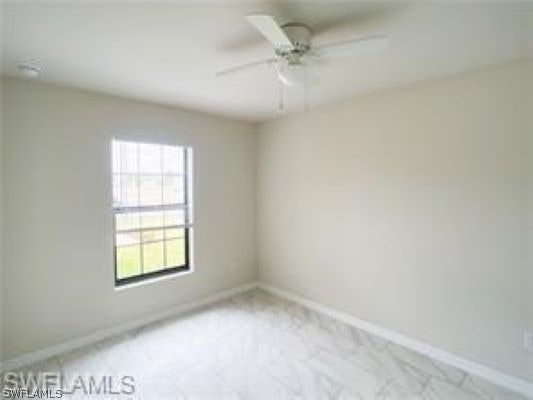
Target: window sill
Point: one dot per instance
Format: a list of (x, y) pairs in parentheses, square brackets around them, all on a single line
[(149, 281)]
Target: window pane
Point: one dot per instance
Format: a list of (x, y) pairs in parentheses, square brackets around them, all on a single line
[(174, 233), (175, 252), (127, 221), (152, 235), (126, 239), (129, 157), (174, 217), (116, 190), (151, 190), (153, 256), (115, 150), (152, 219), (128, 261), (173, 190), (173, 159), (129, 191), (150, 158)]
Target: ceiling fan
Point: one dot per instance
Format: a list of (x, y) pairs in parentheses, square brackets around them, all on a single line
[(294, 52)]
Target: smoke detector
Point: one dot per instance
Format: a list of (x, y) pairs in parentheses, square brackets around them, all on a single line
[(29, 69)]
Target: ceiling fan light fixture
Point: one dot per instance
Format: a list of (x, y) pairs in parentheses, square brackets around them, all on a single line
[(296, 74)]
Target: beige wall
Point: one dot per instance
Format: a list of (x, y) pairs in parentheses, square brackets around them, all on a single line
[(1, 231), (408, 208), (529, 84), (58, 216)]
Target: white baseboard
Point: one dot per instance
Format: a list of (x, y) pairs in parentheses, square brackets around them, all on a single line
[(40, 355), (482, 371)]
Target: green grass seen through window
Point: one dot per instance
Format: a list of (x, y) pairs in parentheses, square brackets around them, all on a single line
[(129, 257)]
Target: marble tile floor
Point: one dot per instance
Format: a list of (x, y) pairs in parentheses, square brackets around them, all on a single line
[(258, 346)]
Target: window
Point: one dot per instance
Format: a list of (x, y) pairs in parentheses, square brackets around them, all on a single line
[(152, 210)]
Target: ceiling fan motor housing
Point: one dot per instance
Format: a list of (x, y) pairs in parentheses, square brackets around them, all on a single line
[(300, 35)]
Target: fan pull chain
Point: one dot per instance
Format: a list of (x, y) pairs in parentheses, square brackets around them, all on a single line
[(306, 90), (281, 102)]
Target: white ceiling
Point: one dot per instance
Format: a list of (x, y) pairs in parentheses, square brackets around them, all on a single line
[(169, 52)]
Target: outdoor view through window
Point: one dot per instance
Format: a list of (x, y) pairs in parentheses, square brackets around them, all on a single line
[(151, 208)]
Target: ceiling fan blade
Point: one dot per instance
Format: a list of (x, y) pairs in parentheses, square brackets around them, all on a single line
[(270, 30), (247, 66), (353, 47)]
